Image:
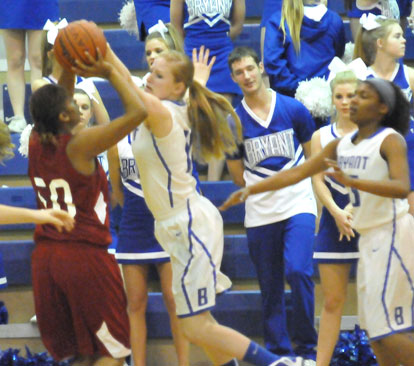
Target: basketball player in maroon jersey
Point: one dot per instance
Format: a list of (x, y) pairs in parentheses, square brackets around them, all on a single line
[(79, 298)]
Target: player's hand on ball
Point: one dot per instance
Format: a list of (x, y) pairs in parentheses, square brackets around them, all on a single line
[(99, 67), (235, 198)]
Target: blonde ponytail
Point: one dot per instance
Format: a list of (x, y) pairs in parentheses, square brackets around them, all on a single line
[(292, 13), (208, 114)]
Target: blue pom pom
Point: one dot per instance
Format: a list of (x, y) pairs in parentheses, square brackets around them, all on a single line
[(353, 349), (11, 357)]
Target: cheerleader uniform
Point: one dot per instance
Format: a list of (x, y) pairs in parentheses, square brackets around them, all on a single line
[(149, 12), (356, 12), (27, 14), (386, 264), (400, 78), (136, 240), (208, 23), (280, 225), (328, 247)]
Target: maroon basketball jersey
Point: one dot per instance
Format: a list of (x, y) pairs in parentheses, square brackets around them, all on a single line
[(58, 184)]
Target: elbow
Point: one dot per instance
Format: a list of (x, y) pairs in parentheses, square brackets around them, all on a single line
[(404, 193)]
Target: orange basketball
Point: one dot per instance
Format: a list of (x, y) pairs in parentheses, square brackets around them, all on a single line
[(78, 37)]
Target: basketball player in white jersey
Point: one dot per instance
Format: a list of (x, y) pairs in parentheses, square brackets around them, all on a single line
[(372, 162)]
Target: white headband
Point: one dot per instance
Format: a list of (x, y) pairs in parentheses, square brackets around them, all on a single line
[(369, 21), (160, 28), (357, 66), (53, 29)]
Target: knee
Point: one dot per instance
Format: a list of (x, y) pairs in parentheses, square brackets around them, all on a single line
[(15, 60), (137, 303), (334, 302)]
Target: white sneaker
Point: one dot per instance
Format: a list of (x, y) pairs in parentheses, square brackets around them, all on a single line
[(16, 124)]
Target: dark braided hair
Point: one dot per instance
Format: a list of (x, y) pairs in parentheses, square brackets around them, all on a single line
[(46, 104)]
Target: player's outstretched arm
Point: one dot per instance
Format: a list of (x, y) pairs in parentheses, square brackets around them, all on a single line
[(285, 178), (17, 215)]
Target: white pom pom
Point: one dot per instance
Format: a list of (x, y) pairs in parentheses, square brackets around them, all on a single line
[(349, 53), (24, 141), (315, 95), (128, 18)]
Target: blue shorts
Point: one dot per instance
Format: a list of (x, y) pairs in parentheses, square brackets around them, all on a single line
[(136, 240), (357, 13), (149, 12), (220, 80), (328, 248), (27, 14)]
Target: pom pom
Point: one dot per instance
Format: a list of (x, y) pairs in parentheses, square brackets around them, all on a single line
[(353, 349), (128, 18), (24, 141), (315, 95), (349, 53), (11, 357), (4, 315)]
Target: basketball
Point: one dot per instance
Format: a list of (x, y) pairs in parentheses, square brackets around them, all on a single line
[(78, 37)]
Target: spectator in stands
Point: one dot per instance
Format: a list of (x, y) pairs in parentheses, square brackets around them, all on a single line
[(79, 298), (335, 251), (300, 43), (381, 45), (269, 8), (137, 248), (19, 19), (213, 24), (280, 225)]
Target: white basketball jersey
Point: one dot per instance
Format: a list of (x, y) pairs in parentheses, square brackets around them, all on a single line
[(165, 164), (364, 161)]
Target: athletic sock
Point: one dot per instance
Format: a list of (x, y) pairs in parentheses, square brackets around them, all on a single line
[(259, 356)]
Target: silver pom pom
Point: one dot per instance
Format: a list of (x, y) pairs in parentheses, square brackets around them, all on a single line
[(128, 18), (349, 53), (315, 95), (24, 141)]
